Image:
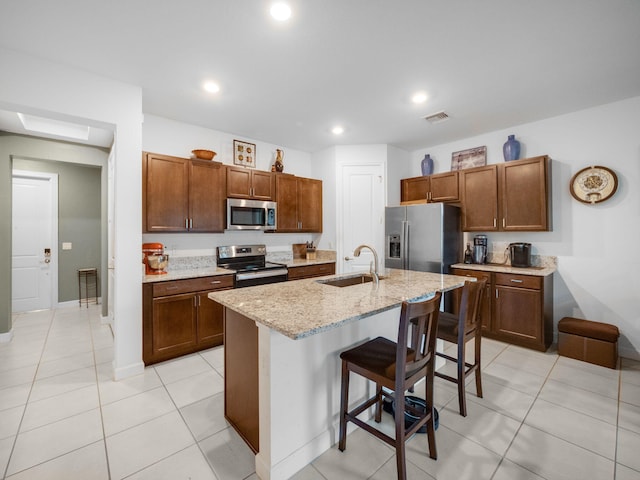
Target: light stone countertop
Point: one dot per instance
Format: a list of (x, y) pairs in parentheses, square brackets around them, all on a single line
[(302, 308), (185, 273)]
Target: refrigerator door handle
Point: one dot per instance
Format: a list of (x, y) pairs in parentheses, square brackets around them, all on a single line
[(405, 245)]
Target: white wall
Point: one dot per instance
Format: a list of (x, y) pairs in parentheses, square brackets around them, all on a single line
[(39, 87), (595, 244), (168, 137)]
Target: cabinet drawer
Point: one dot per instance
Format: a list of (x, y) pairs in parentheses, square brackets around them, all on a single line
[(174, 287), (312, 271), (521, 281)]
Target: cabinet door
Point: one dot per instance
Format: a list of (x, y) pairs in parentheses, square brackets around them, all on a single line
[(518, 313), (444, 187), (238, 182), (287, 199), (207, 196), (165, 193), (414, 189), (485, 306), (479, 191), (263, 185), (524, 195), (210, 322), (174, 326), (309, 204)]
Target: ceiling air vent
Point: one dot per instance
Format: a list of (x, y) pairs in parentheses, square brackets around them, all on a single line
[(436, 117)]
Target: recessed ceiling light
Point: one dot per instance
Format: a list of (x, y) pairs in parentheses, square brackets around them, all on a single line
[(337, 130), (211, 87), (280, 11), (54, 127), (419, 97)]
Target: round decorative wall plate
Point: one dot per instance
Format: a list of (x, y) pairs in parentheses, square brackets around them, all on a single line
[(593, 184)]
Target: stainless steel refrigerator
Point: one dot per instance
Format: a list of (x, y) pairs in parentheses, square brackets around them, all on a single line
[(423, 237)]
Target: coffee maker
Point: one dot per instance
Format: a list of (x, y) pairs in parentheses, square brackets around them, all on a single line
[(154, 259), (479, 254)]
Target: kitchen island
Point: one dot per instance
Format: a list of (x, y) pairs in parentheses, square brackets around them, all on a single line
[(282, 366)]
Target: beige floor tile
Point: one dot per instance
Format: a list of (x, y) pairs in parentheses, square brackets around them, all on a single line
[(64, 365), (630, 393), (307, 473), (104, 355), (630, 371), (610, 373), (151, 442), (135, 410), (482, 425), (52, 409), (390, 468), (183, 367), (362, 457), (628, 448), (85, 463), (502, 399), (10, 421), (530, 361), (55, 439), (10, 360), (112, 391), (214, 357), (555, 459), (228, 455), (583, 378), (626, 473), (479, 463), (188, 464), (583, 401), (14, 396), (577, 428), (195, 388), (6, 445), (205, 417), (510, 471), (629, 417), (520, 380), (17, 376), (66, 382)]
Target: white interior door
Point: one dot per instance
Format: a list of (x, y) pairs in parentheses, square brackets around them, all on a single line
[(34, 241), (362, 194)]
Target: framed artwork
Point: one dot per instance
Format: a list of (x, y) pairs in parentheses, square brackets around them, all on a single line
[(473, 157), (244, 153)]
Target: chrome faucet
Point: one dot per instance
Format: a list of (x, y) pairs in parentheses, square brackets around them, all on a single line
[(373, 267)]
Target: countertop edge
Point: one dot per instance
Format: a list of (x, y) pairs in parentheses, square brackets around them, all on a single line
[(532, 271)]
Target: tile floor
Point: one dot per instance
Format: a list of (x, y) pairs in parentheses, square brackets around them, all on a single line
[(61, 417)]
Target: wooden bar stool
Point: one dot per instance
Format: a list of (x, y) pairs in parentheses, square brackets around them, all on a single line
[(459, 329), (395, 366)]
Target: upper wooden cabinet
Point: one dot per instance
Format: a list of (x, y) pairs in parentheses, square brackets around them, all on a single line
[(510, 196), (441, 187), (248, 183), (299, 203), (182, 195)]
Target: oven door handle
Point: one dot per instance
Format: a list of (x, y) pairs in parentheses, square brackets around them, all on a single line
[(261, 274)]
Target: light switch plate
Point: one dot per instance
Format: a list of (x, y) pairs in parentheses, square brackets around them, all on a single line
[(67, 245)]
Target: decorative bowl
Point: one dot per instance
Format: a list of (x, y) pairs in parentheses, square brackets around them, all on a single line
[(204, 154)]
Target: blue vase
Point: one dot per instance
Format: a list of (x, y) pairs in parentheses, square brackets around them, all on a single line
[(511, 149), (427, 165)]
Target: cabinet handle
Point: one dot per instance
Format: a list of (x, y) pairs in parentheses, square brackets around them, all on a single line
[(496, 293), (172, 288), (186, 223), (504, 223), (190, 223), (215, 282), (516, 281), (494, 223)]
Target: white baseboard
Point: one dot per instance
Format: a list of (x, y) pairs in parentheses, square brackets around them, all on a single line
[(128, 371), (6, 337)]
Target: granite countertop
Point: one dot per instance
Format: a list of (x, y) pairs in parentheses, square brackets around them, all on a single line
[(306, 307), (539, 271), (302, 262), (184, 273)]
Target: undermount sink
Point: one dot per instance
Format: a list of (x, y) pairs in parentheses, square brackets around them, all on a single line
[(347, 281)]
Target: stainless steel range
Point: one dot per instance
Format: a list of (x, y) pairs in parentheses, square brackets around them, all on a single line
[(249, 262)]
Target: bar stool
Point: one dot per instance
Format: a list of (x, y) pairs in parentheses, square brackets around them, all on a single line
[(396, 367), (459, 329), (87, 277)]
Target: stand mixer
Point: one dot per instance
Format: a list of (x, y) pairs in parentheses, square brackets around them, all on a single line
[(154, 259)]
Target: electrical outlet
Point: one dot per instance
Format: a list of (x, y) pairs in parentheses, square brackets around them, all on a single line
[(67, 245)]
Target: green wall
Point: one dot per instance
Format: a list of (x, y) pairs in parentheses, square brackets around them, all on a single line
[(81, 209)]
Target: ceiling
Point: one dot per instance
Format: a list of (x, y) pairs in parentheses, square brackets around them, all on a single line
[(488, 64)]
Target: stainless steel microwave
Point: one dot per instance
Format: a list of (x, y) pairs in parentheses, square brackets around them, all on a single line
[(250, 214)]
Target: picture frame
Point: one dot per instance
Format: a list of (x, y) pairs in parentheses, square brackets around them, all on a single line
[(472, 157), (244, 153)]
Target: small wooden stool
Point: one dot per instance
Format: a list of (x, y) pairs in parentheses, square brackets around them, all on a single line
[(589, 341)]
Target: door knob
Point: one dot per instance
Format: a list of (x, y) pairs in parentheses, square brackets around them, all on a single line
[(348, 259)]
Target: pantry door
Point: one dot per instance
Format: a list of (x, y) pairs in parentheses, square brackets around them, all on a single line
[(34, 241), (362, 211)]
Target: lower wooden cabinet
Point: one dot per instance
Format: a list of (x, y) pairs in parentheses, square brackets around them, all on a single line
[(518, 309), (309, 271), (179, 318)]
